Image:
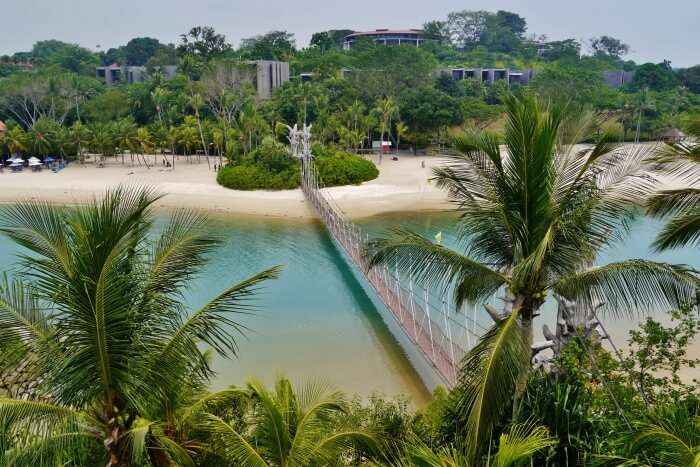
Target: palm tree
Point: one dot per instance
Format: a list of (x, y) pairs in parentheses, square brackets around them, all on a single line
[(642, 103), (16, 140), (515, 447), (81, 136), (386, 110), (401, 131), (533, 220), (196, 101), (144, 143), (681, 161), (125, 132), (103, 332), (289, 428)]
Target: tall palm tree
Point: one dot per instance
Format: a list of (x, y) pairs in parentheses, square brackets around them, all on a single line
[(81, 136), (681, 162), (196, 102), (401, 131), (386, 110), (533, 219), (104, 334), (289, 428)]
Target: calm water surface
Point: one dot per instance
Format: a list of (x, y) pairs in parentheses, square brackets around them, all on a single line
[(317, 320)]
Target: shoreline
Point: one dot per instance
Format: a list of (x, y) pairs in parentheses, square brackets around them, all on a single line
[(402, 186)]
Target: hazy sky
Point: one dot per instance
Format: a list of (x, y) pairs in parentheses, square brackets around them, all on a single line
[(655, 29)]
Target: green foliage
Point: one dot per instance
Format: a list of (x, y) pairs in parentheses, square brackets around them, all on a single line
[(336, 167), (656, 77), (119, 362), (269, 167), (426, 109)]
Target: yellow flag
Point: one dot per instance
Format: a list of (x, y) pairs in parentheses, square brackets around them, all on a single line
[(438, 237)]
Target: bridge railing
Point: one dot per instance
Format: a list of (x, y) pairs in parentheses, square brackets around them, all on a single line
[(441, 335)]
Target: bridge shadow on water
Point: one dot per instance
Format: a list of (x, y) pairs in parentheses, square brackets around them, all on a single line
[(374, 320)]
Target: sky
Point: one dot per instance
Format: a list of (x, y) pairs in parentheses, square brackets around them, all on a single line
[(655, 30)]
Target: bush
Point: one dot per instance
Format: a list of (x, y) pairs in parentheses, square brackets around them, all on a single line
[(269, 167), (337, 167)]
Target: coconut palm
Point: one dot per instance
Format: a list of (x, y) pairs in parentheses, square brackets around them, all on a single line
[(401, 131), (104, 333), (515, 447), (290, 428), (532, 223), (125, 135), (81, 136), (386, 110), (16, 140), (681, 205), (196, 102)]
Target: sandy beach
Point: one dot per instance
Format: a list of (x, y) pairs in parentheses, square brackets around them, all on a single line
[(401, 186)]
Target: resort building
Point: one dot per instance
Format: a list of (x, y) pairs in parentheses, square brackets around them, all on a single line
[(269, 75), (115, 74), (490, 75), (263, 75), (387, 37), (618, 78)]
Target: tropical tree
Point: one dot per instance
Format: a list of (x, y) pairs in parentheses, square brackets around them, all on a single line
[(97, 316), (196, 102), (144, 143), (289, 428), (81, 135), (515, 447), (125, 133), (16, 140), (533, 220), (680, 205), (401, 131), (386, 110)]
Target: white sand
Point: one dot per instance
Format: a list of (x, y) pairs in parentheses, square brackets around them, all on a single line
[(401, 186)]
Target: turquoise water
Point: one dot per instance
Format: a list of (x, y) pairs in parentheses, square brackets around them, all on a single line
[(317, 321)]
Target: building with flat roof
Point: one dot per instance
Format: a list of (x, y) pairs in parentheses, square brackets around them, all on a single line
[(490, 75), (115, 74), (387, 37), (618, 78), (264, 75), (269, 75)]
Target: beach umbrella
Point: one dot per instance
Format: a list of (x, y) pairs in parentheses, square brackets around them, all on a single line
[(16, 164), (34, 160), (49, 159)]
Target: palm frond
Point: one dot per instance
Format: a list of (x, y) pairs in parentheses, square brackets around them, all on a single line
[(211, 324), (635, 286), (683, 207), (234, 445), (488, 380), (435, 265), (179, 253), (521, 442)]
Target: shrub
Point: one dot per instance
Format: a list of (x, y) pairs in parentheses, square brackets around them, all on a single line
[(269, 167), (337, 167)]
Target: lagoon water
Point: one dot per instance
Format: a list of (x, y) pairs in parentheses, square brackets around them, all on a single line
[(317, 320)]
